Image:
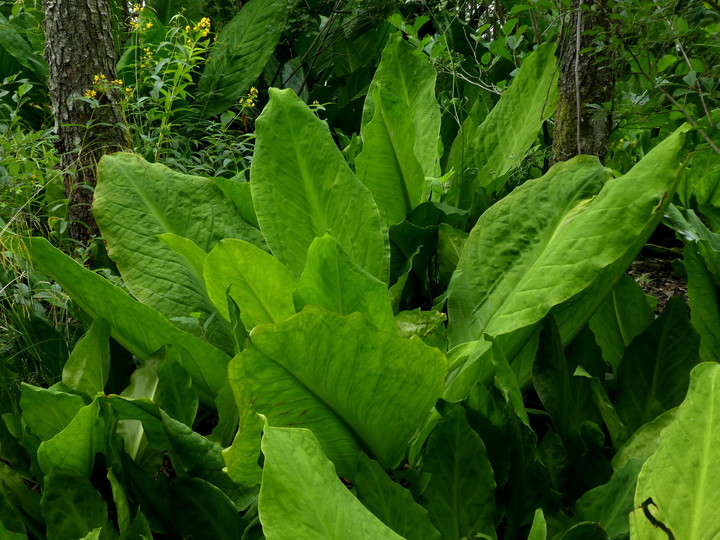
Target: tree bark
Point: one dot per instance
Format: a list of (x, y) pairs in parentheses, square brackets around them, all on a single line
[(584, 81), (78, 47)]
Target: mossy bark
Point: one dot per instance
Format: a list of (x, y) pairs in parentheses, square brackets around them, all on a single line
[(79, 46), (596, 88)]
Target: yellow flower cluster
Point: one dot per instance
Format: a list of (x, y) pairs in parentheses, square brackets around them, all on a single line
[(203, 25), (249, 100), (100, 84)]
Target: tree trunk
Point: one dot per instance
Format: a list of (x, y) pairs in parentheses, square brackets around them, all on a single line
[(79, 47), (584, 81)]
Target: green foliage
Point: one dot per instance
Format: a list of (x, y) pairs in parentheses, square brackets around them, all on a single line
[(549, 406)]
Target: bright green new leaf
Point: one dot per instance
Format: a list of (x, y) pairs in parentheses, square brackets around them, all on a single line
[(242, 49), (611, 503), (644, 441), (408, 76), (387, 164), (46, 412), (88, 367), (334, 282), (682, 476), (258, 283), (72, 507), (135, 202), (460, 496), (655, 371), (356, 387), (302, 188), (508, 242), (302, 497), (703, 299), (538, 531), (520, 263), (504, 137), (624, 314), (137, 327), (391, 503), (76, 445)]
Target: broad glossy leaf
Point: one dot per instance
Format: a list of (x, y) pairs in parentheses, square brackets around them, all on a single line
[(258, 283), (518, 264), (46, 411), (387, 164), (406, 74), (460, 496), (75, 446), (302, 188), (136, 201), (451, 242), (190, 452), (356, 387), (242, 49), (14, 43), (88, 367), (644, 441), (334, 282), (204, 511), (655, 371), (302, 497), (391, 503), (538, 531), (71, 505), (137, 327), (703, 299), (624, 314), (611, 503), (504, 137), (167, 9), (682, 476), (427, 325), (509, 240)]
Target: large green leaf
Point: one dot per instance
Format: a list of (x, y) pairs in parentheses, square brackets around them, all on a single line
[(624, 314), (204, 511), (682, 476), (72, 507), (644, 441), (303, 188), (392, 503), (76, 445), (88, 367), (136, 201), (47, 411), (167, 9), (333, 281), (242, 49), (655, 371), (406, 76), (611, 503), (258, 283), (547, 242), (13, 42), (302, 497), (387, 164), (137, 327), (509, 241), (703, 299), (502, 140), (460, 496), (354, 386)]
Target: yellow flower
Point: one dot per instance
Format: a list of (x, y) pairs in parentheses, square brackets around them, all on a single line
[(148, 26), (204, 23), (253, 92), (188, 28), (128, 90), (143, 66), (316, 102), (249, 102), (117, 81), (90, 94)]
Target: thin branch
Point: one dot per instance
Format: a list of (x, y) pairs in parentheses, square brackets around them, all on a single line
[(679, 107)]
